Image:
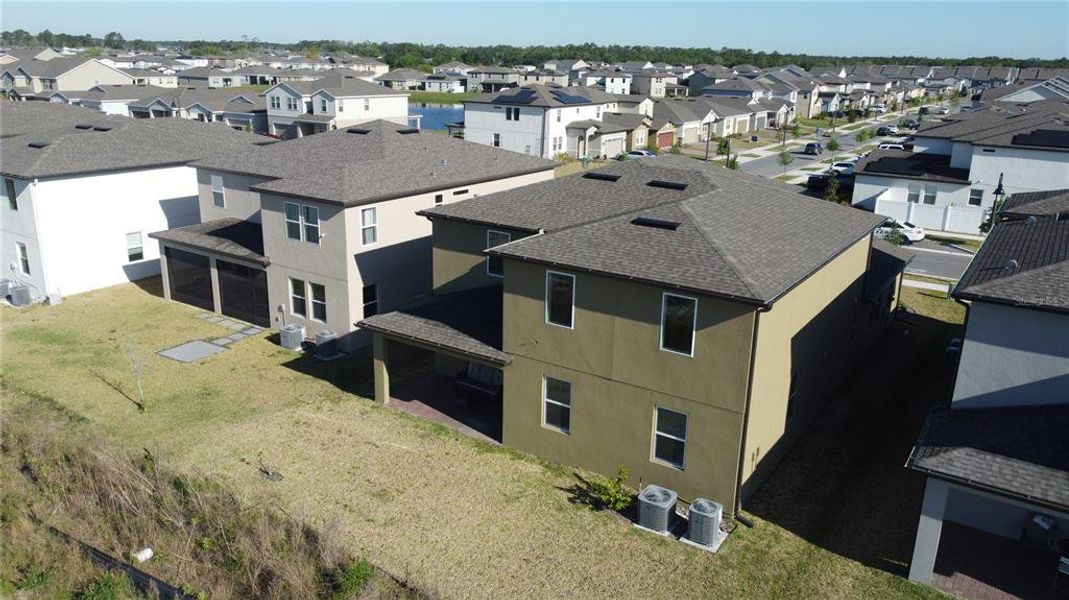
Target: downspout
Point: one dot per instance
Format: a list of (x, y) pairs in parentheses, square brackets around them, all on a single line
[(746, 418), (545, 115)]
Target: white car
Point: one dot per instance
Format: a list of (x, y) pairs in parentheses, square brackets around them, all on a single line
[(845, 167), (941, 110), (912, 232), (880, 108), (637, 154), (890, 146)]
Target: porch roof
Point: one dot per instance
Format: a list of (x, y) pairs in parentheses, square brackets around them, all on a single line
[(467, 323), (231, 237), (314, 118)]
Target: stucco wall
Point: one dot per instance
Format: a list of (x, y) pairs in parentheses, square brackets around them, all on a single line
[(238, 201)]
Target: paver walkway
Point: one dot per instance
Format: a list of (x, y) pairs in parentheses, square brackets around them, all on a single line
[(198, 349)]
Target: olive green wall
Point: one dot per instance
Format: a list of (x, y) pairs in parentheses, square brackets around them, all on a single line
[(459, 262), (808, 332), (620, 375)]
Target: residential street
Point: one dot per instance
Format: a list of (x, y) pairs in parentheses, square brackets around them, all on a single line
[(935, 259)]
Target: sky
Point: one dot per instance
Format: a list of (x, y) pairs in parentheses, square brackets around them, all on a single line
[(947, 28)]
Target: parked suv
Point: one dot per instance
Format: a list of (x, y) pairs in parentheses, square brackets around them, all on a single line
[(814, 148), (887, 130), (911, 232)]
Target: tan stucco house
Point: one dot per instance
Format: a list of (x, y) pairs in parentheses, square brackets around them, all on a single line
[(683, 320)]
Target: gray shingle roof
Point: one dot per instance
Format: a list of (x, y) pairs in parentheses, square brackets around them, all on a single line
[(921, 166), (466, 322), (1019, 451), (81, 141), (739, 236), (230, 237), (349, 167), (341, 83), (546, 95), (1049, 203), (1021, 263)]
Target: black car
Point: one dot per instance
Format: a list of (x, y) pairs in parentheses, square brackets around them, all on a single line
[(910, 124), (814, 148), (886, 130), (819, 182)]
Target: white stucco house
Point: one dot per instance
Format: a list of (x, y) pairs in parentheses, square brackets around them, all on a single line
[(299, 108)]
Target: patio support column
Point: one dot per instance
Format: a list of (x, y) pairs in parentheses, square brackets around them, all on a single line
[(380, 369), (217, 297), (929, 529)]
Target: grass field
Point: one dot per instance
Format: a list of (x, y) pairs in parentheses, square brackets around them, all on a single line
[(455, 517), (576, 166)]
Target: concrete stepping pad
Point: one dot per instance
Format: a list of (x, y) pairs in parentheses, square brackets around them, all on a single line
[(237, 336), (191, 351), (223, 341), (252, 330)]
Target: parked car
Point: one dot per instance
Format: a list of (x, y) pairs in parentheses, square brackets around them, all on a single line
[(924, 110), (879, 108), (887, 130), (819, 182), (912, 233), (814, 148), (911, 124), (843, 168), (941, 110), (890, 146), (632, 154)]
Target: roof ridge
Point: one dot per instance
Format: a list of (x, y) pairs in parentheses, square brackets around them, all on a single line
[(728, 259)]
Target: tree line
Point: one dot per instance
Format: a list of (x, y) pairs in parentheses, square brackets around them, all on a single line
[(424, 56)]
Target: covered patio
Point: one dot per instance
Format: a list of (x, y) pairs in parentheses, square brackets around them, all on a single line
[(463, 330)]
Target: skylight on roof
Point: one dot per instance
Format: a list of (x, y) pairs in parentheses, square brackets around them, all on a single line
[(408, 131), (38, 145), (656, 223), (83, 126), (668, 185), (358, 130), (601, 176)]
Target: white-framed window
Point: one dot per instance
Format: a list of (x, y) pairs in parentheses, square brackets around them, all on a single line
[(497, 140), (12, 195), (556, 404), (929, 194), (323, 105), (341, 106), (494, 264), (292, 211), (319, 301), (276, 102), (913, 193), (369, 225), (976, 196), (371, 300), (302, 222), (218, 191), (439, 199), (292, 103), (298, 298), (679, 318), (310, 216), (134, 249), (559, 111), (24, 257), (367, 104), (560, 299), (670, 437)]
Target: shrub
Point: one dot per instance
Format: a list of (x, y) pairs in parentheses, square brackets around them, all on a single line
[(796, 131), (833, 144), (611, 492), (352, 578), (831, 193), (675, 148), (895, 236), (563, 157), (732, 162), (110, 586), (723, 146)]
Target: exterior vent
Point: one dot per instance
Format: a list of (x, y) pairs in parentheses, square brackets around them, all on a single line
[(705, 516), (668, 185), (102, 128), (291, 336), (655, 223), (601, 176), (408, 131), (656, 505), (359, 130), (83, 126), (326, 344), (20, 295), (38, 145)]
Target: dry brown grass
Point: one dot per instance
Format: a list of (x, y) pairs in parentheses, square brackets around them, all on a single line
[(456, 517)]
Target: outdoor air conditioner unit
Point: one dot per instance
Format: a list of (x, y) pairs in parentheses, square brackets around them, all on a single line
[(326, 344), (291, 336), (20, 295), (705, 516), (655, 508)]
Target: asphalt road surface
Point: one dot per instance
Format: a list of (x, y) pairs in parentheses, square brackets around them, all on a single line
[(936, 259)]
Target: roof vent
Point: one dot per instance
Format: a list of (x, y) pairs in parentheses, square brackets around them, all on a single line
[(601, 176), (38, 145), (408, 131), (1012, 265), (102, 128), (668, 185), (358, 130), (655, 223), (83, 126)]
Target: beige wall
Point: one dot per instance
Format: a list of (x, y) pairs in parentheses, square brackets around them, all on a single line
[(459, 262), (807, 332), (620, 375), (89, 74), (239, 202)]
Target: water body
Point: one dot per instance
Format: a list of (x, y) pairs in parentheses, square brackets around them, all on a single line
[(437, 116)]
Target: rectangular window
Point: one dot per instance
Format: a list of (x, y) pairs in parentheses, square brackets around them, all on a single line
[(298, 299), (12, 197), (560, 299), (929, 194), (322, 105), (319, 302), (556, 403), (310, 214), (497, 140), (293, 220), (913, 194), (367, 104), (438, 199), (494, 266), (976, 197), (369, 225), (276, 102), (670, 437), (341, 106), (218, 192), (24, 257), (134, 249), (371, 300), (678, 319), (291, 103), (559, 111)]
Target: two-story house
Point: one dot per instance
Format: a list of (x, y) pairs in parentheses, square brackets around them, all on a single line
[(683, 320), (300, 108), (492, 79), (613, 82), (997, 459), (949, 181), (321, 231), (82, 191), (402, 79), (39, 78), (534, 119)]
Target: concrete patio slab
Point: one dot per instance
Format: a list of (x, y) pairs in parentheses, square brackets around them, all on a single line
[(223, 341), (191, 351), (237, 336), (252, 330)]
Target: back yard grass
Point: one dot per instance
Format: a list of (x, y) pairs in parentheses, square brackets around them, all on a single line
[(453, 516)]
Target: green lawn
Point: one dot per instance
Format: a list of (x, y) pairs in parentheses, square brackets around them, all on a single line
[(454, 516), (576, 166), (439, 97), (968, 244)]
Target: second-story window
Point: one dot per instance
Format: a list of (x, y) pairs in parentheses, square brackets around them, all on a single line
[(678, 319), (438, 199), (367, 104), (494, 264), (302, 222), (12, 196), (310, 214), (369, 225), (371, 300), (292, 103), (218, 192), (560, 299), (276, 102), (559, 111), (322, 105)]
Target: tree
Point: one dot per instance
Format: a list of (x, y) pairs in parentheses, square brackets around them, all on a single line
[(785, 159), (831, 193), (114, 40), (863, 135), (796, 131), (46, 37), (895, 236), (312, 53)]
